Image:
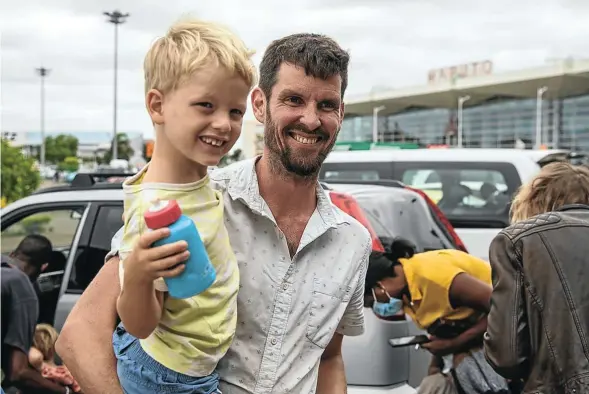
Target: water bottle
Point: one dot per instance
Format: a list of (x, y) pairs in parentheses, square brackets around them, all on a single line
[(199, 274)]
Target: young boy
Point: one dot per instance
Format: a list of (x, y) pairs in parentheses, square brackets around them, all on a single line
[(197, 80)]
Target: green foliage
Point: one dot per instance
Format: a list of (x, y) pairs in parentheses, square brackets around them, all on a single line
[(58, 148), (35, 224), (19, 177), (237, 155), (124, 150), (70, 164)]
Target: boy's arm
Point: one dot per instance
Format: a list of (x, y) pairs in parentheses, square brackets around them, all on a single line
[(140, 301), (140, 308)]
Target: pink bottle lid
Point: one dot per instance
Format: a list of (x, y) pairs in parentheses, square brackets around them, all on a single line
[(162, 213)]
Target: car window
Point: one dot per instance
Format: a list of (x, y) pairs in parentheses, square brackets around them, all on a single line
[(364, 175), (474, 186), (91, 258), (463, 190), (59, 225)]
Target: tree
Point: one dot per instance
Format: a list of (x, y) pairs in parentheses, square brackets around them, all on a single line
[(237, 155), (19, 176), (70, 164), (59, 147), (124, 150)]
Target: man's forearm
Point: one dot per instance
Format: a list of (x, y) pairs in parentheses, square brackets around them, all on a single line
[(30, 380), (472, 336), (332, 376), (85, 342)]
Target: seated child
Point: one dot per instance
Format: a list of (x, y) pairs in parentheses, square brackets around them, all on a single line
[(42, 358), (197, 81)]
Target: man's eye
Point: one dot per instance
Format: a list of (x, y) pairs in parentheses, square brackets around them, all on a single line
[(294, 100), (328, 106)]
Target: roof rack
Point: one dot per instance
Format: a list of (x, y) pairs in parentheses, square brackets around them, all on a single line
[(91, 178), (88, 181)]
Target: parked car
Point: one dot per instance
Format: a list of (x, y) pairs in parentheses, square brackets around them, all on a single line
[(80, 219), (473, 187), (391, 210)]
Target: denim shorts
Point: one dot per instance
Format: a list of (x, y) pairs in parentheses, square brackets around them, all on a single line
[(141, 374)]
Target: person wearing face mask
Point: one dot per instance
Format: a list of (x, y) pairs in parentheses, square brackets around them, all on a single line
[(447, 293)]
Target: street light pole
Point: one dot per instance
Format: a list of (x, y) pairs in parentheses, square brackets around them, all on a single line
[(375, 112), (540, 92), (116, 18), (461, 101), (43, 72)]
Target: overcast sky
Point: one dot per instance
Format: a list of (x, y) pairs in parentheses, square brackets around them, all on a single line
[(392, 43)]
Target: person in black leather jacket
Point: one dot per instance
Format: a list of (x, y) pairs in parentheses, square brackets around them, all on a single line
[(538, 324)]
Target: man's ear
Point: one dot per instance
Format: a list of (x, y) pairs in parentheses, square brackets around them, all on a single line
[(154, 100), (342, 111), (259, 103)]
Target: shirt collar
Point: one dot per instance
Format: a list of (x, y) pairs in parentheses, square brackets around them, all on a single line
[(241, 182)]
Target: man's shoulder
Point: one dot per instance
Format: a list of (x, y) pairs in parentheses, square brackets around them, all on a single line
[(350, 227), (235, 172), (16, 281), (535, 223)]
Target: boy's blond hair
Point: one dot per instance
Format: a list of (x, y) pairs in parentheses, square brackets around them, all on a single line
[(44, 340), (556, 185), (188, 46)]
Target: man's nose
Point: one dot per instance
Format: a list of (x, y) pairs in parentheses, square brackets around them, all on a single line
[(310, 118)]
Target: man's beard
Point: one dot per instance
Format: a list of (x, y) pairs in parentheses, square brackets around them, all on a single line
[(304, 166)]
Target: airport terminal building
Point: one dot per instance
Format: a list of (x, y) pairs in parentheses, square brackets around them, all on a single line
[(471, 106)]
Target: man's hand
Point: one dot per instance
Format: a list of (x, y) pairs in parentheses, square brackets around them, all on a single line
[(441, 347), (146, 263)]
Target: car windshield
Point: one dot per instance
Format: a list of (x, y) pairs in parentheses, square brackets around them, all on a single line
[(395, 212)]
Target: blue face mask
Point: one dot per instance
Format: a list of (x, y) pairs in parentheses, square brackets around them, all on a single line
[(387, 309)]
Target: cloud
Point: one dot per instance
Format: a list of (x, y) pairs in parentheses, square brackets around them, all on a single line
[(393, 43)]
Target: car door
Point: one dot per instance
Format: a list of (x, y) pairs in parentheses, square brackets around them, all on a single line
[(62, 224), (104, 219)]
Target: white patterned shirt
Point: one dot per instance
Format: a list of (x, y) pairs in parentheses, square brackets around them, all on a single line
[(287, 309)]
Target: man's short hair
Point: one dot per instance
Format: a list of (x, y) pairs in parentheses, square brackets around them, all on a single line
[(188, 46), (319, 55), (34, 249)]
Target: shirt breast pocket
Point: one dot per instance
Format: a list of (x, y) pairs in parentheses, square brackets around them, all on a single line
[(329, 301)]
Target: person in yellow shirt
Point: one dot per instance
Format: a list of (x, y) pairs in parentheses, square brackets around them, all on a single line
[(445, 292), (197, 80)]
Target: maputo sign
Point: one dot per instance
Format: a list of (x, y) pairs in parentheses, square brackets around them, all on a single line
[(452, 73)]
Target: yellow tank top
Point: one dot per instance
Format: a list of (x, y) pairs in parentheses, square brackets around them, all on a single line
[(429, 276)]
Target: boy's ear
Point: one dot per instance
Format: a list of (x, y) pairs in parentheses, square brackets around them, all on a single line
[(154, 100)]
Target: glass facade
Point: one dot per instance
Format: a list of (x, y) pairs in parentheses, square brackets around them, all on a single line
[(498, 124)]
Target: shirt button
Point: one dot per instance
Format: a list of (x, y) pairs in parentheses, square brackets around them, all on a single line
[(274, 341)]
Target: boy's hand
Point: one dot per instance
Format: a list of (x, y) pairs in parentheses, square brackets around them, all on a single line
[(146, 263)]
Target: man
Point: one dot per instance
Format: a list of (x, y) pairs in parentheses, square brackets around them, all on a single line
[(20, 309), (302, 261)]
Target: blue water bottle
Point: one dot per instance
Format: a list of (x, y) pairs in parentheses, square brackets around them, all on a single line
[(199, 274)]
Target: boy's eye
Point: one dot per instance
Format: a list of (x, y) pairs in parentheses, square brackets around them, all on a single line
[(237, 112), (205, 105)]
